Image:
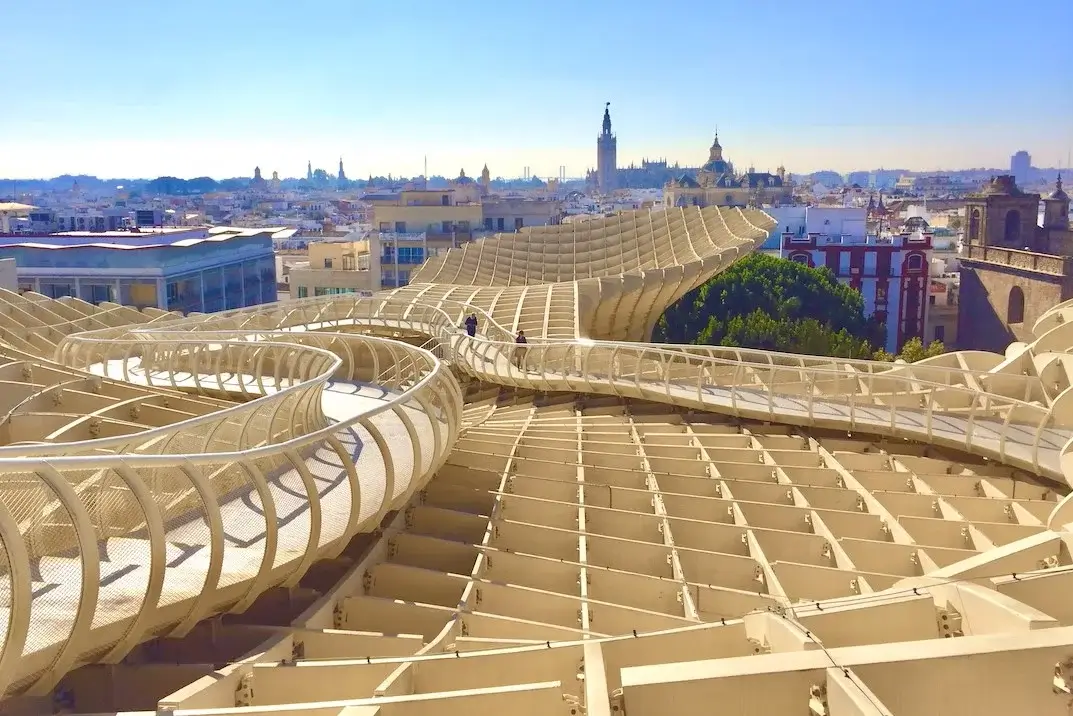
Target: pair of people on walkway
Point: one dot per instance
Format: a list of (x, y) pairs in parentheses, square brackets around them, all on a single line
[(520, 340), (520, 349)]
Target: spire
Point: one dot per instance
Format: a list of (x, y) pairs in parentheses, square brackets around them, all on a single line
[(715, 153), (342, 174), (1058, 192), (309, 169), (607, 119)]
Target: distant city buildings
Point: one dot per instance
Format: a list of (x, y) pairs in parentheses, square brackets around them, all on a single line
[(1021, 166), (173, 269), (890, 271), (258, 182), (933, 185), (409, 226)]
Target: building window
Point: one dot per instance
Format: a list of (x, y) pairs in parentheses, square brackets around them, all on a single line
[(800, 259), (1012, 231), (499, 224), (914, 262), (400, 226), (447, 227), (931, 300), (940, 333), (303, 292), (348, 263), (974, 225), (445, 200), (98, 293), (59, 289), (411, 255), (1015, 308), (518, 222), (488, 224), (385, 226), (327, 263)]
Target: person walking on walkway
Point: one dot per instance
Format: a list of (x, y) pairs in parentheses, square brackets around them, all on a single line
[(520, 350), (471, 325)]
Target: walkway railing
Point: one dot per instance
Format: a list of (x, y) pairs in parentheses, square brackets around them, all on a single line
[(121, 498), (126, 496)]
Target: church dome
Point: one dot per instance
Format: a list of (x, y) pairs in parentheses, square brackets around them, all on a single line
[(716, 164)]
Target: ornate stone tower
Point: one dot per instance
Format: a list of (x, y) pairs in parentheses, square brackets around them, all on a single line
[(1012, 270), (342, 174), (486, 179), (606, 156), (1003, 215), (1056, 208), (309, 170)]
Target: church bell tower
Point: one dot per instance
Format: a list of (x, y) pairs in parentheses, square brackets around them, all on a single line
[(606, 156)]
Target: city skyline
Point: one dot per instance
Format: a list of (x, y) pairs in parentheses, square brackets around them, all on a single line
[(811, 89)]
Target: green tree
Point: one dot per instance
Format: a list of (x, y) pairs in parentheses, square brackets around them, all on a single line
[(773, 304), (914, 350)]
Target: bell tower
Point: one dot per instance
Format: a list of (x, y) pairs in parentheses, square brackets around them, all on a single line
[(606, 156), (1056, 208)]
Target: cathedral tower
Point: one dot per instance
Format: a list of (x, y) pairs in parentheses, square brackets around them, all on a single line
[(606, 156), (1056, 208)]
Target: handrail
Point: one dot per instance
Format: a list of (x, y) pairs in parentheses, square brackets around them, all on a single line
[(283, 358), (445, 326), (300, 376)]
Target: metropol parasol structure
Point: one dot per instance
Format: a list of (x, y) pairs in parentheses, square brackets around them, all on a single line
[(346, 506)]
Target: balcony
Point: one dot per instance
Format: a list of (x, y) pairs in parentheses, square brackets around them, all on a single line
[(1017, 259), (402, 236)]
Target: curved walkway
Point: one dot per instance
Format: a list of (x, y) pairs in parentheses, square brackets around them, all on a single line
[(120, 538)]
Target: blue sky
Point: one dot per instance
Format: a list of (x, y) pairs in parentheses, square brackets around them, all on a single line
[(136, 88)]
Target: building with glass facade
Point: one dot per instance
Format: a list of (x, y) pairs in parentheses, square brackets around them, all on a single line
[(189, 270)]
